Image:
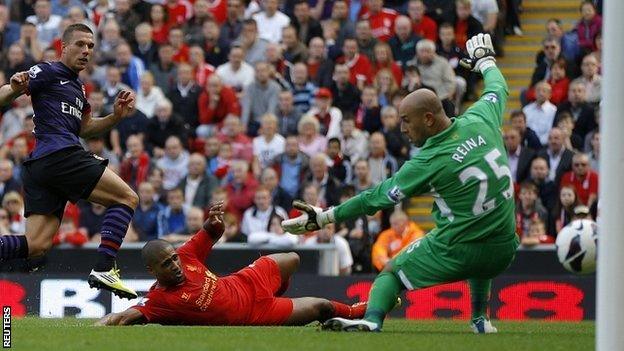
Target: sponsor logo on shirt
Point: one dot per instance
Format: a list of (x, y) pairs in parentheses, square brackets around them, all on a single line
[(63, 82), (33, 71), (491, 97)]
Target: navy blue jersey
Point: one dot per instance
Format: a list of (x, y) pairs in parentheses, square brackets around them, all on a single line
[(59, 102)]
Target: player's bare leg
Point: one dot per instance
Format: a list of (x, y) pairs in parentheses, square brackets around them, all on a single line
[(288, 264), (120, 200)]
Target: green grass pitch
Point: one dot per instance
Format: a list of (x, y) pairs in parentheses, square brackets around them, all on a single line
[(78, 334)]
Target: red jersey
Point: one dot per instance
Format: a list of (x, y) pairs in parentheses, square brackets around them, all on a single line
[(243, 298), (202, 72), (177, 14), (182, 55), (218, 8), (584, 187), (426, 28), (360, 67), (382, 23)]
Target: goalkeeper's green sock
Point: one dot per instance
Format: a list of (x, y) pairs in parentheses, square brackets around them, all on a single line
[(383, 297), (479, 296)]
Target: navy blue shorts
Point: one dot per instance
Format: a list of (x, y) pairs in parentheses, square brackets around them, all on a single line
[(65, 175)]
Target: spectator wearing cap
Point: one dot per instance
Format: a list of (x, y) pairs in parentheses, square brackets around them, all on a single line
[(347, 95), (184, 96), (271, 21), (583, 179), (259, 98), (328, 116), (216, 102), (403, 43), (423, 25), (360, 69)]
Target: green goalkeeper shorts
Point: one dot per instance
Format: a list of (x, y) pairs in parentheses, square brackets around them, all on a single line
[(426, 262)]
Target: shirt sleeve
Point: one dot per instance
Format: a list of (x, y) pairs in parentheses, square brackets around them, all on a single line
[(152, 308), (410, 180), (199, 246), (39, 78), (491, 105)]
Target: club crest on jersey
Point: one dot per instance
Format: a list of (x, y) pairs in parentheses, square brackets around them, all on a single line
[(491, 97), (185, 296), (395, 194)]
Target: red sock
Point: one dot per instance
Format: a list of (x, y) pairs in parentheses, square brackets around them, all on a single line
[(355, 311), (282, 289)]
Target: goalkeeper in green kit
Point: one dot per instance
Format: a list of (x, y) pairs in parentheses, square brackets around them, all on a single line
[(463, 163)]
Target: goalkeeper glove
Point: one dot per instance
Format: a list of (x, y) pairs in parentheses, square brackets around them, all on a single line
[(312, 219), (480, 53)]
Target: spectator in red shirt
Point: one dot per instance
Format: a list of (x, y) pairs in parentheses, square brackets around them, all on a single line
[(381, 19), (232, 133), (583, 179), (466, 25), (241, 188), (536, 235), (186, 292), (383, 59), (178, 11), (218, 9), (360, 69), (423, 25), (558, 82), (215, 102), (176, 39), (201, 69), (160, 28), (135, 168), (589, 26)]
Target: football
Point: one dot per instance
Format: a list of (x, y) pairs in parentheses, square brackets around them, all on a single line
[(576, 246)]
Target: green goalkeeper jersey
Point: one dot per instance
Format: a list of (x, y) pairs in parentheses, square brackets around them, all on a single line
[(466, 170)]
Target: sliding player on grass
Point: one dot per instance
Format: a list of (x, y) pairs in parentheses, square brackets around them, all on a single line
[(187, 293), (463, 162)]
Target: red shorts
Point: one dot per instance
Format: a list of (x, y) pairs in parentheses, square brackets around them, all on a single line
[(264, 280)]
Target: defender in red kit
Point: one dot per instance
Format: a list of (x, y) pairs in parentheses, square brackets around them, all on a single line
[(187, 293)]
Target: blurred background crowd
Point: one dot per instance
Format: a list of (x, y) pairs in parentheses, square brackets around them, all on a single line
[(259, 103)]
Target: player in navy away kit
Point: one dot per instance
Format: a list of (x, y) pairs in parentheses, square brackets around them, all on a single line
[(59, 169)]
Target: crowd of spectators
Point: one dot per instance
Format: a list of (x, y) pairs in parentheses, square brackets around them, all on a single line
[(257, 103)]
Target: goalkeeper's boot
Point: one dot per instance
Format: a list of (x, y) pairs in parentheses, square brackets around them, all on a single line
[(350, 325), (481, 325), (111, 281)]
